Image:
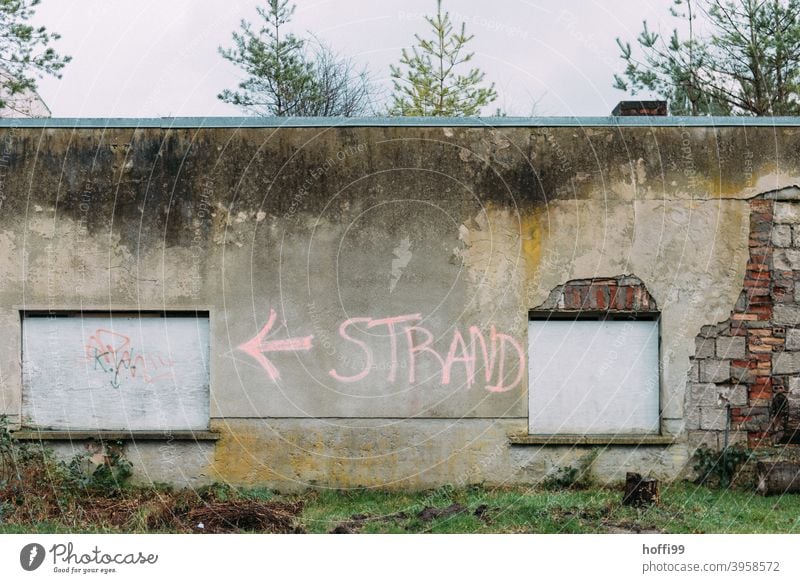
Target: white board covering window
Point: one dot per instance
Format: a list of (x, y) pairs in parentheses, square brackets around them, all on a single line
[(593, 377), (118, 372)]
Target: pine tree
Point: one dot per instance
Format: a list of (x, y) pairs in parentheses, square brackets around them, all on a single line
[(427, 81), (291, 76), (25, 54), (746, 62)]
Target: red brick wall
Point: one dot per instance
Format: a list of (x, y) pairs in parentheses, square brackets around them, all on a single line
[(625, 293)]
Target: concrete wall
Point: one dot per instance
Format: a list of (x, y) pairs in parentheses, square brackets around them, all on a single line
[(341, 266)]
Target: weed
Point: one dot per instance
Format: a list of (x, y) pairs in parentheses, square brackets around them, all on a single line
[(718, 468), (107, 478), (36, 486), (576, 477), (564, 477)]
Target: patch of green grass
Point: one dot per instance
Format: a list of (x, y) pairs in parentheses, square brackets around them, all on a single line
[(325, 509), (684, 508), (257, 493), (52, 528)]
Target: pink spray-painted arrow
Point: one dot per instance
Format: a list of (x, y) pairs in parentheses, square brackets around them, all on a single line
[(258, 346)]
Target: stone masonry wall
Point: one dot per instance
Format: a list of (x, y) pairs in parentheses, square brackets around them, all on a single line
[(749, 365)]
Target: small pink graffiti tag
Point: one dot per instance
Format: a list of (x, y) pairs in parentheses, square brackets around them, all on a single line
[(258, 346), (498, 354), (113, 353)]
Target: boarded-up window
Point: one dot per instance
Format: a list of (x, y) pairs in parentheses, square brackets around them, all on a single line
[(146, 371), (593, 376)]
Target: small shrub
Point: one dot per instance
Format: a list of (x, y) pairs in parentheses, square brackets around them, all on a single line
[(563, 478), (104, 479), (574, 477), (718, 468), (12, 453)]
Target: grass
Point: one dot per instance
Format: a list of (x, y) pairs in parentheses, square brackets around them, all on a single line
[(684, 508), (39, 493)]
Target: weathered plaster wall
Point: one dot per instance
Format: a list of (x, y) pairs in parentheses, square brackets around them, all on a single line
[(350, 234)]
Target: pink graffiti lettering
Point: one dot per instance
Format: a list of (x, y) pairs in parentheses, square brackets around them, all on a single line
[(505, 339), (258, 346), (451, 359), (499, 356), (390, 323), (495, 356), (414, 349), (112, 353), (363, 345)]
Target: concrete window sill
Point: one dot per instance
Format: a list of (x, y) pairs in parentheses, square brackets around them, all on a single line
[(635, 440), (77, 435)]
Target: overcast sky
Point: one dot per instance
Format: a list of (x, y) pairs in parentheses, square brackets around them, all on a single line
[(150, 58)]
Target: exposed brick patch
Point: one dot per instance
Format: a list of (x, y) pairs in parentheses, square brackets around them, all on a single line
[(623, 293), (750, 363)]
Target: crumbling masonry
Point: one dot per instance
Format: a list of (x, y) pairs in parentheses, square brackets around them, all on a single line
[(745, 370)]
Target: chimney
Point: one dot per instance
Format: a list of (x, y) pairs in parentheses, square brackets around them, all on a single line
[(626, 108)]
